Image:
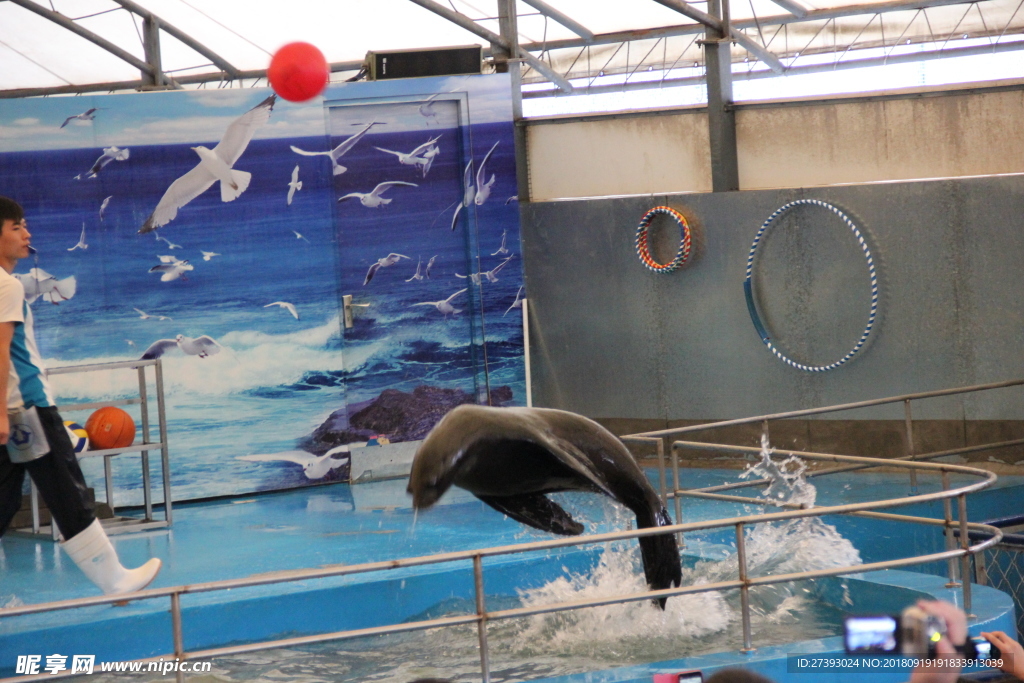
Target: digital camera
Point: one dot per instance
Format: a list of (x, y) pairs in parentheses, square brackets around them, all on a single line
[(914, 633)]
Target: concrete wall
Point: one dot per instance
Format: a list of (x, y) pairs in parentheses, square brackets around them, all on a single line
[(610, 339), (902, 136)]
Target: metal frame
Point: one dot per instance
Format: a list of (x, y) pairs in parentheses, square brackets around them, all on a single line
[(662, 438), (120, 525), (154, 77), (665, 444)]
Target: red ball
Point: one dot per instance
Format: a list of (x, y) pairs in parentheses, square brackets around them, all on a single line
[(110, 427), (298, 72)]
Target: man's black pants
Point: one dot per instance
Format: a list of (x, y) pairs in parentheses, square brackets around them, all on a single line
[(57, 475)]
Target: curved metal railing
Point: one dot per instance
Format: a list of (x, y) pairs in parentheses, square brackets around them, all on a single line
[(743, 582)]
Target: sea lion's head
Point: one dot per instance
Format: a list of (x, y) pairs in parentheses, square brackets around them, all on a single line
[(441, 455)]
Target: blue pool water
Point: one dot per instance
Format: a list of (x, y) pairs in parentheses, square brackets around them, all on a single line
[(341, 524)]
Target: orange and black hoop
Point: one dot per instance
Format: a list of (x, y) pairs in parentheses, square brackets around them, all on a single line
[(643, 250)]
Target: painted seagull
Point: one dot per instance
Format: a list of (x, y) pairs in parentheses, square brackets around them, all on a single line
[(502, 249), (207, 255), (483, 189), (518, 303), (428, 150), (81, 241), (38, 283), (287, 306), (373, 199), (214, 164), (170, 244), (430, 264), (313, 466), (470, 191), (294, 185), (491, 275), (418, 275), (338, 151), (87, 115), (171, 268), (109, 154), (203, 347), (299, 236), (389, 260), (103, 206), (427, 108), (444, 306), (146, 316)]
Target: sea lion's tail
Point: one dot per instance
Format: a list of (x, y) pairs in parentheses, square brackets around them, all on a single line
[(660, 554)]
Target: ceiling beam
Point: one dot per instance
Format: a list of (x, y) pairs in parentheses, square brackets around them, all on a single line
[(193, 79), (773, 20), (563, 84), (755, 48), (151, 46), (61, 20), (686, 9), (909, 58), (217, 60), (547, 10), (491, 37), (794, 8), (735, 35)]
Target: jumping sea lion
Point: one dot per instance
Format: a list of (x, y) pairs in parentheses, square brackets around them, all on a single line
[(511, 457)]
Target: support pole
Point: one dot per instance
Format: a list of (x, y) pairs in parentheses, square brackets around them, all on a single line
[(947, 510), (67, 23), (908, 420), (493, 38), (725, 175), (965, 559), (177, 633), (183, 37), (151, 46), (741, 557), (481, 625), (509, 26)]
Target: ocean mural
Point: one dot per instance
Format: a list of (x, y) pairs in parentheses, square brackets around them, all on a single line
[(221, 231)]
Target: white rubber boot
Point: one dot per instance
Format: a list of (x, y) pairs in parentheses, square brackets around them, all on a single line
[(95, 556)]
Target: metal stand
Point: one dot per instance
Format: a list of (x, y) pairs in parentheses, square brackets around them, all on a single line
[(116, 524)]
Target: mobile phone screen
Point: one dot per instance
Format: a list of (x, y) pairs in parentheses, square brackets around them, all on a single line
[(691, 677), (986, 650), (870, 635)]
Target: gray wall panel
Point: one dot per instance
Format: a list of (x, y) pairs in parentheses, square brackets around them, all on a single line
[(612, 339)]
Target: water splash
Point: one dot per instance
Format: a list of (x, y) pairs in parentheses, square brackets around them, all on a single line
[(795, 545), (642, 629), (786, 477)]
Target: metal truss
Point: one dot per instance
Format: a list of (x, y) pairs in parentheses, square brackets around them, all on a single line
[(795, 41), (152, 72), (786, 42)]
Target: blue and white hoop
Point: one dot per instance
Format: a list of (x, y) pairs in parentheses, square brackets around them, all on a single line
[(748, 291)]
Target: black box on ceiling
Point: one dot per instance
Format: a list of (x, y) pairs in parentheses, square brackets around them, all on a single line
[(442, 61)]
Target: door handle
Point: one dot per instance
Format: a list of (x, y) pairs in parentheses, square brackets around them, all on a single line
[(347, 306)]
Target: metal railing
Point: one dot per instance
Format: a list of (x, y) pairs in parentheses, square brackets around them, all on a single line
[(665, 443), (123, 524), (744, 583)]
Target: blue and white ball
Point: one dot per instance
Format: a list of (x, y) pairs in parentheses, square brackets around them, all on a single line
[(79, 437)]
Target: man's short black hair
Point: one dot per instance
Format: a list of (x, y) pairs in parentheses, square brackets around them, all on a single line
[(10, 210)]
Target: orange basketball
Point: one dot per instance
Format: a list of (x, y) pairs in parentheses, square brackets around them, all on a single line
[(110, 427)]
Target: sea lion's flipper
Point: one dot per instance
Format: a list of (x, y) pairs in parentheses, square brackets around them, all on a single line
[(660, 554), (536, 510)]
